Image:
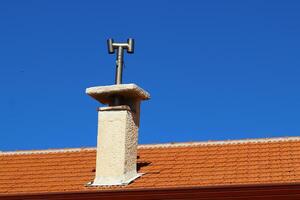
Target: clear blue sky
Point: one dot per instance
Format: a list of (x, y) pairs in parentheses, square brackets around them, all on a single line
[(216, 70)]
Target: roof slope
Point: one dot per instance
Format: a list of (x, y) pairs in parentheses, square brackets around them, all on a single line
[(175, 165)]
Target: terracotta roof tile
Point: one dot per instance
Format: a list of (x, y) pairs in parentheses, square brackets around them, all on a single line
[(173, 165)]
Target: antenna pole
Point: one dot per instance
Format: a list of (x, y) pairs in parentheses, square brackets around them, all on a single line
[(119, 62)]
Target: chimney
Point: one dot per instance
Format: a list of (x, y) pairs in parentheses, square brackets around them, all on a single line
[(118, 125)]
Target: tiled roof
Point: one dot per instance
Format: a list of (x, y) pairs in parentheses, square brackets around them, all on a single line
[(260, 161)]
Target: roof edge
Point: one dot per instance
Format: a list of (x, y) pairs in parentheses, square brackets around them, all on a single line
[(262, 187), (163, 145)]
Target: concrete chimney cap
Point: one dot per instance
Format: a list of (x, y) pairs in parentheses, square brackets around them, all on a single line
[(105, 94)]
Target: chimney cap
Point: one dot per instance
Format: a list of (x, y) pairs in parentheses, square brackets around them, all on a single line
[(106, 94)]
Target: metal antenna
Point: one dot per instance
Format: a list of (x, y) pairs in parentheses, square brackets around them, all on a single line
[(112, 46)]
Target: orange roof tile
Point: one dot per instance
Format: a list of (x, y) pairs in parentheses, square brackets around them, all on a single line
[(258, 161)]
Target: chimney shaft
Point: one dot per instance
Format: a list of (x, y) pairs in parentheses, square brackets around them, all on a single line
[(117, 133)]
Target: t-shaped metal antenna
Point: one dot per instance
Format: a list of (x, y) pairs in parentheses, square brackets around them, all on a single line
[(112, 46)]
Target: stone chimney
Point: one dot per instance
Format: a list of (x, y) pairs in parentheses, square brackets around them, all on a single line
[(118, 125)]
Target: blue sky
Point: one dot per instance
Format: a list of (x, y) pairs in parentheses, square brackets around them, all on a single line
[(216, 70)]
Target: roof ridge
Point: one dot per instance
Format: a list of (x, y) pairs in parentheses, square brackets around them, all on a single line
[(162, 145), (45, 151), (221, 142)]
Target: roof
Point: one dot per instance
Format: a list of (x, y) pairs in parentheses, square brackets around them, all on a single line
[(223, 163)]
